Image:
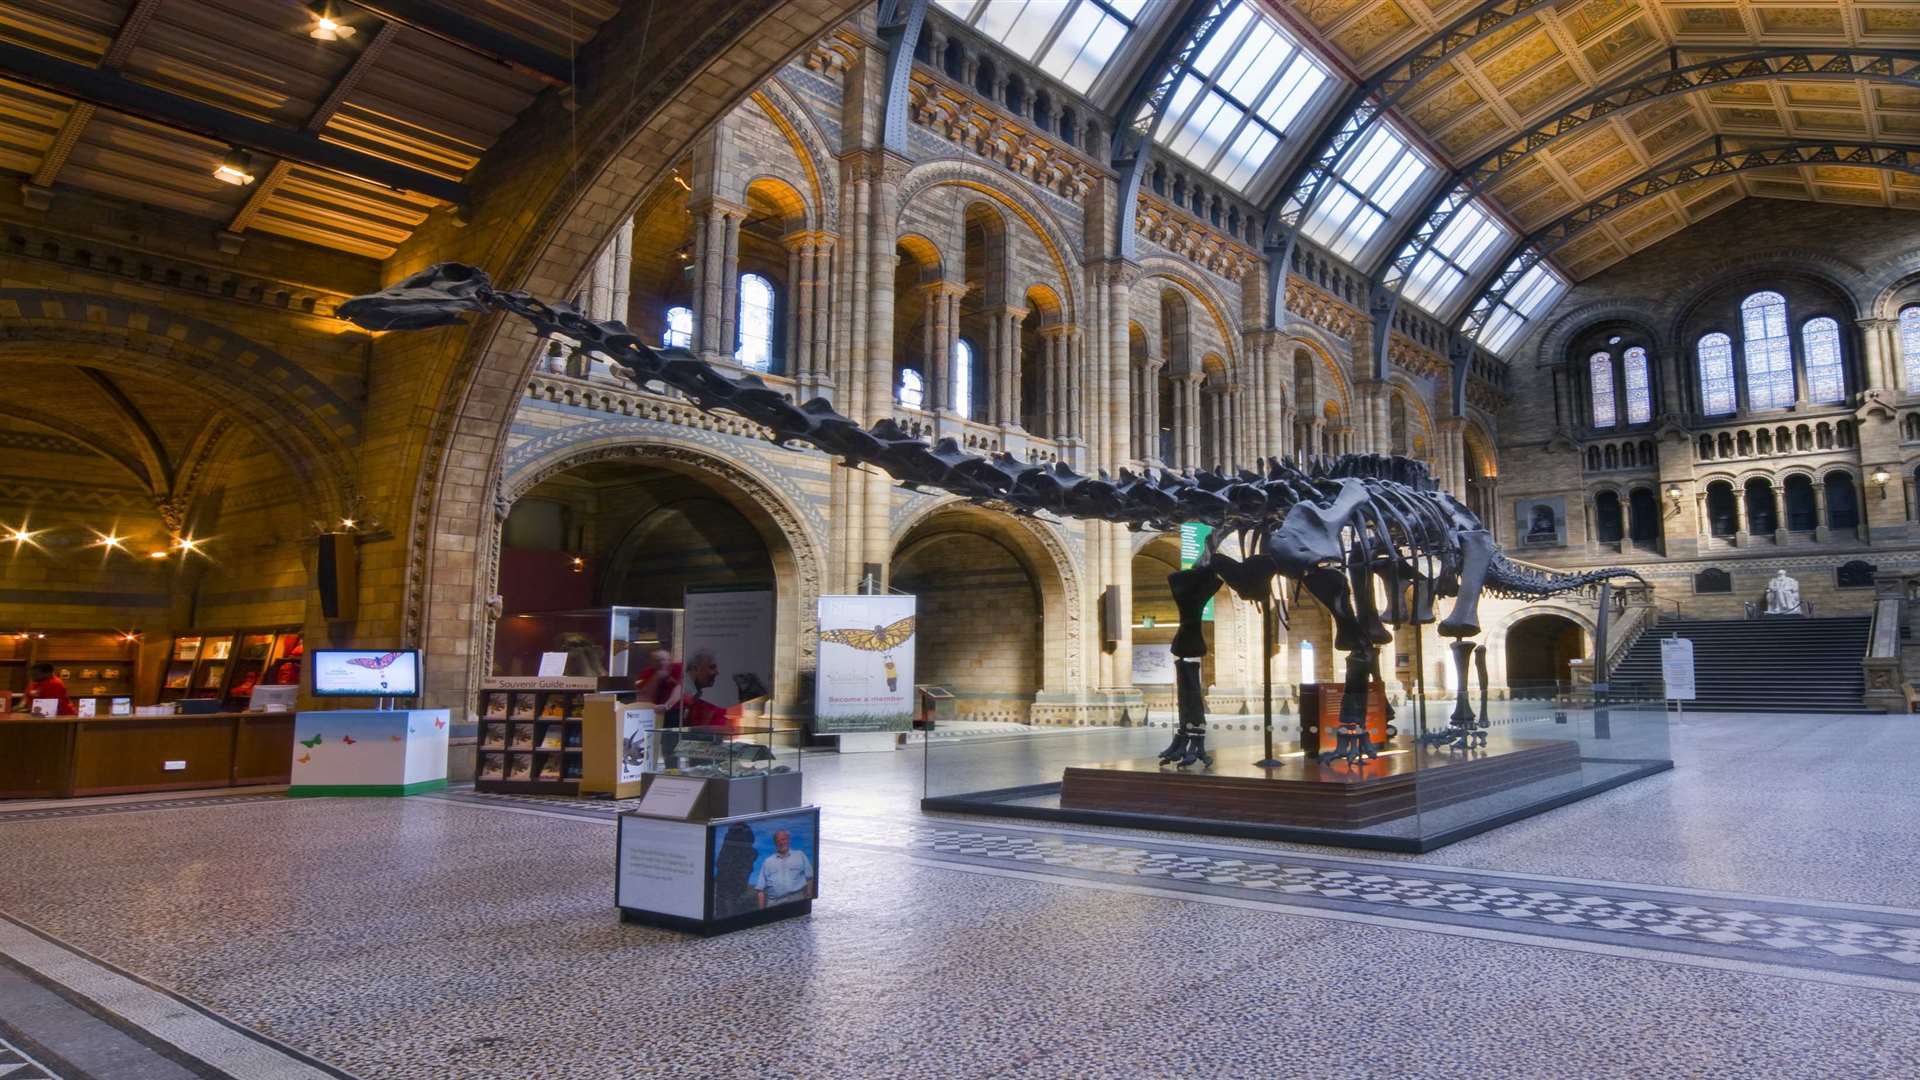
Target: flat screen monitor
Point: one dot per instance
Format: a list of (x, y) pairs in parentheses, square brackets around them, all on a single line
[(365, 672)]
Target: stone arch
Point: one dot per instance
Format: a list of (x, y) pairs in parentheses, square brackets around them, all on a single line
[(1417, 411), (796, 550), (1045, 303), (1482, 445), (777, 193), (1210, 298), (1765, 272), (1499, 637), (312, 427), (956, 172), (1330, 381), (809, 145), (1049, 563), (1559, 333)]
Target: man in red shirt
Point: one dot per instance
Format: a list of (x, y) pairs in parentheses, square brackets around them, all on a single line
[(46, 684)]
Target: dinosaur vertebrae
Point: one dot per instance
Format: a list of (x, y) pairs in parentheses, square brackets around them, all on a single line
[(1403, 515)]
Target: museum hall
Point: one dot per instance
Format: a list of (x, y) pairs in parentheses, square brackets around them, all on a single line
[(590, 539)]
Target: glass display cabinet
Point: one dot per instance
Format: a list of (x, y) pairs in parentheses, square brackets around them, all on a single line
[(598, 642)]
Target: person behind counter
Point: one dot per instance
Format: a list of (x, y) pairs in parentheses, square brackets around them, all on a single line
[(46, 684)]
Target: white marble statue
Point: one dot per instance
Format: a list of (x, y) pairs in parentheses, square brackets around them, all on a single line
[(1783, 595)]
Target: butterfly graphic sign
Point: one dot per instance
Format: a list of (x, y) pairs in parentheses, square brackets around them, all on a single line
[(374, 673), (865, 679)]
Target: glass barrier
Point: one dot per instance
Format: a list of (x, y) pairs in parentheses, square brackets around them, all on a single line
[(1403, 781)]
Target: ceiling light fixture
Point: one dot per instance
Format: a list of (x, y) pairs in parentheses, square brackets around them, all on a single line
[(110, 541), (236, 168), (156, 555), (187, 544), (326, 27), (20, 534), (347, 524)]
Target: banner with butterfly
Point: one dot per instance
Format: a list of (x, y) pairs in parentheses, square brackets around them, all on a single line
[(865, 680)]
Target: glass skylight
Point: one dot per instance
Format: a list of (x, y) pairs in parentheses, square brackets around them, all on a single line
[(1457, 255), (1370, 185), (1071, 40), (1531, 295), (1234, 105)]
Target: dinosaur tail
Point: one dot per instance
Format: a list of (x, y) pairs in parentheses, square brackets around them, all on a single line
[(1508, 579)]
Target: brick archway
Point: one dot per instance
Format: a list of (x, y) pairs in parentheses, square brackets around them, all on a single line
[(795, 550)]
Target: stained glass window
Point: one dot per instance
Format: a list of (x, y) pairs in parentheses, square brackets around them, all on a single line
[(1910, 346), (1716, 375), (1639, 387), (1237, 100), (1768, 351), (912, 391), (679, 333), (1600, 378), (1826, 379), (756, 323), (1369, 186), (1071, 40), (963, 377)]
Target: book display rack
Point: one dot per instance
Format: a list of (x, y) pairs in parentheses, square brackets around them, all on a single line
[(531, 737)]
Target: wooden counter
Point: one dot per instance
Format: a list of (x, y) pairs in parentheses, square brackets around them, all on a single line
[(70, 756)]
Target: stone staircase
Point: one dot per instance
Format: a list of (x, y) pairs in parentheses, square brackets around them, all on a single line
[(1780, 665)]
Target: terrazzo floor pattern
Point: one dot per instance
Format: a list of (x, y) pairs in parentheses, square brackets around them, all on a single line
[(436, 938)]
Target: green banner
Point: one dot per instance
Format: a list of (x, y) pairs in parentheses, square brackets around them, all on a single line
[(1193, 541)]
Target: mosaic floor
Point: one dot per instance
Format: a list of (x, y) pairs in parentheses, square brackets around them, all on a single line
[(1751, 914)]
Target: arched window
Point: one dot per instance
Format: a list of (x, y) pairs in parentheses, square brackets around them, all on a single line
[(1762, 519), (1723, 517), (1639, 387), (963, 377), (1843, 504), (1307, 678), (1716, 374), (1910, 345), (912, 391), (756, 323), (1608, 527), (1820, 342), (1600, 379), (679, 333), (1768, 351)]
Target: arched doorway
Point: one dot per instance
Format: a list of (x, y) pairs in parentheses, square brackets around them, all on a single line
[(1540, 652), (640, 525), (982, 630), (1155, 619)]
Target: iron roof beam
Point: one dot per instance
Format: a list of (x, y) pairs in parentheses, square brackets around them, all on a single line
[(110, 90), (1138, 119), (476, 37)]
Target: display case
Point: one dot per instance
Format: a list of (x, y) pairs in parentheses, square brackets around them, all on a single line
[(761, 772), (226, 665), (597, 642), (531, 737)]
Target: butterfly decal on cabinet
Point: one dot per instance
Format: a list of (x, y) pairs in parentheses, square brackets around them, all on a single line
[(398, 738), (304, 758), (310, 743), (439, 722), (348, 739)]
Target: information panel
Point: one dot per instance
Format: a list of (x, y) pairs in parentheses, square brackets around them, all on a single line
[(865, 680), (1676, 667), (663, 867), (735, 627)]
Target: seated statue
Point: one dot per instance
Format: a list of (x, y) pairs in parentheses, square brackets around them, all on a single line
[(1783, 595)]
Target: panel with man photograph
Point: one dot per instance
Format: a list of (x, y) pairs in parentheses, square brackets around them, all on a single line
[(765, 862)]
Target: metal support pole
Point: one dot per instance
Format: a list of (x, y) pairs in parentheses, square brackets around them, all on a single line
[(1266, 680)]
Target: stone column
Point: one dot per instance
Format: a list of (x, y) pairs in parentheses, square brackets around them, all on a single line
[(599, 298), (792, 337), (1820, 530), (730, 286), (623, 271), (709, 245), (1742, 534), (1151, 406), (819, 325), (1880, 366), (1013, 363)]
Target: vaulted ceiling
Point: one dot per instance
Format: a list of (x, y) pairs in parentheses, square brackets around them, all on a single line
[(1526, 75), (422, 86)]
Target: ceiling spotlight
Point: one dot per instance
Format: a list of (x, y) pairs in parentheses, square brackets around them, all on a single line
[(156, 555), (19, 534), (236, 168), (110, 541), (326, 27), (347, 524), (187, 544)]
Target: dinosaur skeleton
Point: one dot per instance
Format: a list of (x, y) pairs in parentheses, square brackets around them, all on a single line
[(1332, 526)]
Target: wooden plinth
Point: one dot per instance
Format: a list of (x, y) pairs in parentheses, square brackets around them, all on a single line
[(1301, 791)]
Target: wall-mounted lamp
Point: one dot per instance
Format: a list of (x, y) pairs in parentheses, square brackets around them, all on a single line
[(1880, 478), (1673, 499)]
